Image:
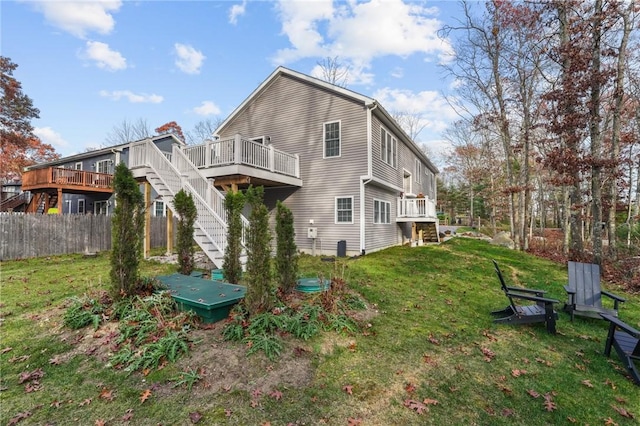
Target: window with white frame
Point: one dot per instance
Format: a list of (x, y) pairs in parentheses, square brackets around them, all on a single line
[(100, 207), (331, 138), (81, 207), (381, 211), (418, 171), (102, 166), (78, 166), (344, 209), (388, 148), (158, 210)]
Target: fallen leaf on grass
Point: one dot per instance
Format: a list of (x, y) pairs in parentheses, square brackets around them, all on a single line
[(55, 360), (26, 376), (533, 393), (85, 402), (429, 401), (19, 417), (276, 394), (543, 361), (518, 373), (20, 358), (100, 422), (107, 394), (587, 383), (410, 388), (55, 404), (623, 412), (507, 412), (354, 421), (610, 383), (256, 393), (254, 403), (488, 354), (228, 412), (433, 339), (195, 417), (416, 406), (610, 422), (580, 367), (549, 405), (5, 350), (348, 389), (145, 395), (572, 420), (128, 415)]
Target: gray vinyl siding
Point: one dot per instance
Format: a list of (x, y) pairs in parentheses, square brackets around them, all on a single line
[(292, 113), (379, 235)]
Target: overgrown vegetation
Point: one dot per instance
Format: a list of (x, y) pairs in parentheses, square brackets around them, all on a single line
[(232, 268), (187, 215), (286, 251), (126, 233)]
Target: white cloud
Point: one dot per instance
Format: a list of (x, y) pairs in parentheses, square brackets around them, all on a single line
[(432, 108), (189, 59), (134, 98), (50, 136), (207, 108), (104, 57), (80, 17), (360, 32), (236, 11), (397, 72)]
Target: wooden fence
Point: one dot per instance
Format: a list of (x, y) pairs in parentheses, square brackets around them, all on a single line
[(35, 235)]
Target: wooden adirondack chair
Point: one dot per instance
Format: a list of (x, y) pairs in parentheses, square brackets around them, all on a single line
[(626, 341), (584, 292), (541, 311)]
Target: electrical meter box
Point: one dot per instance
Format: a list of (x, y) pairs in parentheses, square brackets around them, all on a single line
[(312, 233)]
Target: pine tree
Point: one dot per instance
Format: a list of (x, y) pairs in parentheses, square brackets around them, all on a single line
[(187, 215), (232, 268), (127, 229), (287, 252), (259, 296)]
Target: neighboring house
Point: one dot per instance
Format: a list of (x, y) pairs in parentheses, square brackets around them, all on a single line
[(81, 183), (354, 181), (12, 199)]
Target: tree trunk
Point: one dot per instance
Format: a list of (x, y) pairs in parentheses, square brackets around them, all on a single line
[(596, 135)]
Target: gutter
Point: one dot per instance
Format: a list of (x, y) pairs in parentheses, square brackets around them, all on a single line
[(364, 180)]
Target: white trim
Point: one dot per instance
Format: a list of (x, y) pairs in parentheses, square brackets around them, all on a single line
[(384, 156), (418, 171), (79, 163), (81, 201), (406, 174), (335, 210), (324, 142)]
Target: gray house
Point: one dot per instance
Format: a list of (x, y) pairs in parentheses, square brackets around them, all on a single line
[(355, 182)]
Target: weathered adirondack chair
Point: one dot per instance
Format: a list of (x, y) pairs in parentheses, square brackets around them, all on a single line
[(541, 311), (626, 341), (584, 292)]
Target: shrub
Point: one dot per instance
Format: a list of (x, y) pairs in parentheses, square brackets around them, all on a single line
[(187, 215), (286, 252), (127, 228), (232, 268)]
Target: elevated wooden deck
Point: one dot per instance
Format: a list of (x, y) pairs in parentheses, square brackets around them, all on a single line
[(53, 179)]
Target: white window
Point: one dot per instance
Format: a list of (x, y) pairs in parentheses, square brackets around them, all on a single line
[(406, 182), (331, 139), (67, 209), (381, 211), (100, 207), (102, 166), (418, 171), (81, 206), (344, 209), (388, 148), (158, 209), (78, 166)]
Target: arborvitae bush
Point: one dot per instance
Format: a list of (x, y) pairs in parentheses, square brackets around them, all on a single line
[(127, 229), (232, 268), (259, 296), (286, 251), (187, 215)]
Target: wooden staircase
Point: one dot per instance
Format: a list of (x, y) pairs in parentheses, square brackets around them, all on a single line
[(430, 233), (18, 202)]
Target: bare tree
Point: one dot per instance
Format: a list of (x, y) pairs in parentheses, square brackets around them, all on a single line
[(411, 122), (203, 130), (334, 71), (128, 131)]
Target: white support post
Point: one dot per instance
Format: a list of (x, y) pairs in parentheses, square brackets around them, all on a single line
[(272, 161), (237, 149), (297, 166)]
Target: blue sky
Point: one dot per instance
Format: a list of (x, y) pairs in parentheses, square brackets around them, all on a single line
[(88, 66)]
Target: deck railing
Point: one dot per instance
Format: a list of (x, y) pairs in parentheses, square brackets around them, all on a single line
[(237, 150), (416, 207), (56, 176)]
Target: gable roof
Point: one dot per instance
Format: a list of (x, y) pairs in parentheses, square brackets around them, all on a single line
[(369, 102), (99, 152)]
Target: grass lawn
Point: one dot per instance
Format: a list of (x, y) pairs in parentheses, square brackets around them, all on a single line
[(427, 353)]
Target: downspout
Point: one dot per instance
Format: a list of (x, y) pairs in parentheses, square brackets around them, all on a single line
[(366, 178)]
